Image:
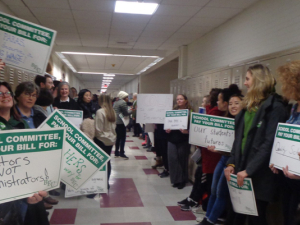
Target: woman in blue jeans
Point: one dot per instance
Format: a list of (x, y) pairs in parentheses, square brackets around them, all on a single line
[(229, 100)]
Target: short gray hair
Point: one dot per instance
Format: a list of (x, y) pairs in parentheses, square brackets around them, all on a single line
[(60, 86), (27, 87)]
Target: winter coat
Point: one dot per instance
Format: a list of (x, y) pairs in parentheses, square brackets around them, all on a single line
[(72, 105), (121, 107)]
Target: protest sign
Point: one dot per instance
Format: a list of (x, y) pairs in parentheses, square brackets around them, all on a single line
[(30, 161), (208, 130), (125, 119), (25, 45), (242, 198), (82, 157), (286, 147), (74, 116), (151, 108), (176, 119), (97, 184)]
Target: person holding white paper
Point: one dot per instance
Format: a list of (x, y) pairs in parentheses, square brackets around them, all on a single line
[(19, 211), (255, 128), (230, 101), (179, 148), (289, 75)]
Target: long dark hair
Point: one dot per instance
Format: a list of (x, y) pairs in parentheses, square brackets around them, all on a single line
[(213, 96), (13, 110)]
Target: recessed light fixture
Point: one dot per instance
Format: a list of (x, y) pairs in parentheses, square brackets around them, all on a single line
[(109, 75), (108, 78), (107, 54), (135, 7)]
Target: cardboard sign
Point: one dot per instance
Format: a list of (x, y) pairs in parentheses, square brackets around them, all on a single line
[(176, 119), (74, 116), (151, 108), (242, 198), (286, 147), (97, 184), (215, 131), (25, 45), (82, 157), (30, 161)]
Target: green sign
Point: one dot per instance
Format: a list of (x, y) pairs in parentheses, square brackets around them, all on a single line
[(177, 113), (72, 113), (290, 132), (212, 121), (246, 186)]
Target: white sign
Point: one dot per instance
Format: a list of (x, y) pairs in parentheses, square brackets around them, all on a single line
[(242, 198), (97, 184), (25, 45), (125, 119), (74, 116), (30, 161), (215, 131), (151, 108), (286, 147), (82, 157), (176, 119)]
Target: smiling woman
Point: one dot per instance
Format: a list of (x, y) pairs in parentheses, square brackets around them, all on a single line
[(64, 98)]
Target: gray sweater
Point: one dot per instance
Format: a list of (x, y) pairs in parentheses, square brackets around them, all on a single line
[(121, 107)]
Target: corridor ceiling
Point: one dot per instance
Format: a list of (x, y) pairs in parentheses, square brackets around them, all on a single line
[(91, 26)]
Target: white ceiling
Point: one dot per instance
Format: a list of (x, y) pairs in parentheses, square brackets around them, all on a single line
[(92, 25)]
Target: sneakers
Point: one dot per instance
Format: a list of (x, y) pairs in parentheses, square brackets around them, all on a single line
[(189, 206), (124, 156), (183, 202), (164, 174), (205, 222), (199, 211)]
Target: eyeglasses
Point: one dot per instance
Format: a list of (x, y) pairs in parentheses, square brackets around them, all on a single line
[(6, 94), (30, 95)]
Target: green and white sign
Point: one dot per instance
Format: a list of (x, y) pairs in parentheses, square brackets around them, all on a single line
[(30, 161), (25, 45), (176, 119), (242, 198), (82, 157), (97, 184), (286, 147), (206, 130), (74, 116)]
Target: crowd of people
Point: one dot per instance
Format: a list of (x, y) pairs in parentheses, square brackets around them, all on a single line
[(256, 116)]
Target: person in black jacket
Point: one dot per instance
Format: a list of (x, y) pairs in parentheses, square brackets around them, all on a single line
[(86, 104), (255, 128), (64, 97)]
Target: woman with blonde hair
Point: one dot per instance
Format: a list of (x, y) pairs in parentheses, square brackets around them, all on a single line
[(255, 128), (105, 128), (289, 76)]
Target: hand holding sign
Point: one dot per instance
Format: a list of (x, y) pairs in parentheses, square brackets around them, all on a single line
[(37, 197)]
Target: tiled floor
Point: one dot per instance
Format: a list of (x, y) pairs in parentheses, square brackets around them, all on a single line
[(137, 196)]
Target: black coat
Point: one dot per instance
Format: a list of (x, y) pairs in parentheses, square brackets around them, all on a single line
[(62, 105), (38, 118), (258, 148)]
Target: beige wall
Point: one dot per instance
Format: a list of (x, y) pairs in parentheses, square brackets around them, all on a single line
[(158, 81)]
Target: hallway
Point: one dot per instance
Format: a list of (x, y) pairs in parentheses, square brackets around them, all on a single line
[(137, 196)]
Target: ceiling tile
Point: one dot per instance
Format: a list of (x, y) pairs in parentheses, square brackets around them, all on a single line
[(57, 13), (122, 46), (92, 16), (31, 19), (206, 22), (20, 10), (174, 10), (195, 29), (94, 40), (162, 27), (152, 40), (131, 18), (173, 20), (93, 5), (130, 26), (123, 38), (187, 35), (65, 25), (124, 31), (158, 34), (185, 2), (213, 12), (93, 30), (79, 61), (53, 4), (231, 3), (96, 62), (67, 39), (13, 2)]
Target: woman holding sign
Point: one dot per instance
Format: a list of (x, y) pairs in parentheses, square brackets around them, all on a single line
[(25, 211), (255, 127), (179, 148), (230, 102), (289, 75)]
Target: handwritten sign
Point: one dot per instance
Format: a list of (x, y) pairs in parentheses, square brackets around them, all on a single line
[(97, 184), (208, 130), (176, 119), (151, 108), (25, 45), (30, 161), (242, 198), (82, 157), (74, 116), (286, 147)]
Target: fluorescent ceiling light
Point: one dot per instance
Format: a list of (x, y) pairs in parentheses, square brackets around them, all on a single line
[(150, 65), (104, 73), (63, 58), (107, 54), (106, 81), (90, 72), (135, 7), (108, 78), (109, 75)]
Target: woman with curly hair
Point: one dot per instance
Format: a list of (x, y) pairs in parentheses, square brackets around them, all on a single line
[(289, 76)]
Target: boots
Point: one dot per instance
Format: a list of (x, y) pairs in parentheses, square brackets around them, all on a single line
[(158, 163)]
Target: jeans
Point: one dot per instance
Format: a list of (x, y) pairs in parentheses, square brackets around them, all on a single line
[(121, 138), (107, 150), (219, 192)]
